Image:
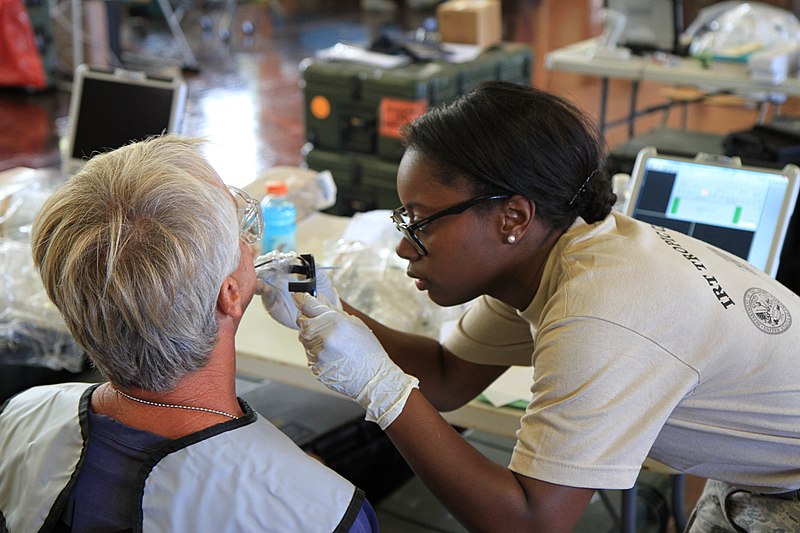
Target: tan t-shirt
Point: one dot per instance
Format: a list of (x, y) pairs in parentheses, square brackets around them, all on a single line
[(645, 341)]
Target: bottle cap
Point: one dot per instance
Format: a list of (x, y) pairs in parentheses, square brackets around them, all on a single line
[(277, 188)]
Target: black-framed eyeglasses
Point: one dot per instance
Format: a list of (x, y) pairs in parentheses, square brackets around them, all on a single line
[(409, 230)]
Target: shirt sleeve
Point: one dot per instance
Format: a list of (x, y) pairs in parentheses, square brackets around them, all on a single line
[(366, 521), (491, 332), (601, 395)]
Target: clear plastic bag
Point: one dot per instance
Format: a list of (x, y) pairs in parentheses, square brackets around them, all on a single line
[(733, 30), (32, 332), (309, 190), (372, 278)]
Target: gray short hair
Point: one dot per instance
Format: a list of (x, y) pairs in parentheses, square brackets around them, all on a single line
[(133, 250)]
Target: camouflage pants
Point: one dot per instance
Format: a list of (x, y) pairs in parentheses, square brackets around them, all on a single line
[(723, 508)]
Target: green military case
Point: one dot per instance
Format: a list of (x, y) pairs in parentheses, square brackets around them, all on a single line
[(363, 182), (400, 95), (379, 179), (365, 101), (514, 62), (353, 115), (367, 105), (506, 61), (348, 122)]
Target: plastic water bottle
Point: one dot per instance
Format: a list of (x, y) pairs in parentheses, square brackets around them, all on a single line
[(280, 215)]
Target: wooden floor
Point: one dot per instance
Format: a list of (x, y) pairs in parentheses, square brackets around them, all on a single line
[(246, 98)]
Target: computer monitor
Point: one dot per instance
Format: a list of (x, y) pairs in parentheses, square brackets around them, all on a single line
[(651, 25), (740, 209), (110, 108)]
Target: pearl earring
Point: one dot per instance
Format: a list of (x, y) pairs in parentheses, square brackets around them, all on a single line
[(511, 239)]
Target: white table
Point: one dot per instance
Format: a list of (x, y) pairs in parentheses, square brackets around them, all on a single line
[(715, 76), (266, 349)]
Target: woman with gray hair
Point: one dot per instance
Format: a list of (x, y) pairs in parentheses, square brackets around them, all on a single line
[(148, 256)]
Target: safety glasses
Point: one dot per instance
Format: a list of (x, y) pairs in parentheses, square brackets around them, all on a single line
[(251, 222)]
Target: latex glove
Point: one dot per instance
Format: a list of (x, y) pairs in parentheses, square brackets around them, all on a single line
[(272, 284), (346, 357)]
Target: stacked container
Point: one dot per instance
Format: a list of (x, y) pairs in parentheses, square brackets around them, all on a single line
[(353, 115)]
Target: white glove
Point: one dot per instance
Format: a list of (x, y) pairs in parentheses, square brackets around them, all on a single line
[(272, 284), (346, 357)]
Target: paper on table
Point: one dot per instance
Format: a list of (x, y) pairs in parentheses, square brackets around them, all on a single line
[(461, 53), (357, 54), (513, 387)]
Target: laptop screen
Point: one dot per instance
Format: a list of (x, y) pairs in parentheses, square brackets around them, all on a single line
[(111, 108), (742, 210)]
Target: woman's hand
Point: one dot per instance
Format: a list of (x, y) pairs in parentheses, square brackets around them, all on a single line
[(346, 357), (273, 275)]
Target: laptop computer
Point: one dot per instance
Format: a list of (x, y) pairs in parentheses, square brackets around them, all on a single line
[(110, 108), (650, 25), (743, 210)]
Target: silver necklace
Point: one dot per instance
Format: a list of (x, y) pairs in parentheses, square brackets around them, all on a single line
[(174, 406)]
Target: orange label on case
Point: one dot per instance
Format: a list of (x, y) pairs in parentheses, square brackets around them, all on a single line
[(396, 113), (320, 107)]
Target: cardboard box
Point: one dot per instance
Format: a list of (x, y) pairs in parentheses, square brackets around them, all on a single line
[(476, 22)]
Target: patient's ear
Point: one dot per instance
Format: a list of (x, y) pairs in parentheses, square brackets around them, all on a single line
[(229, 300)]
